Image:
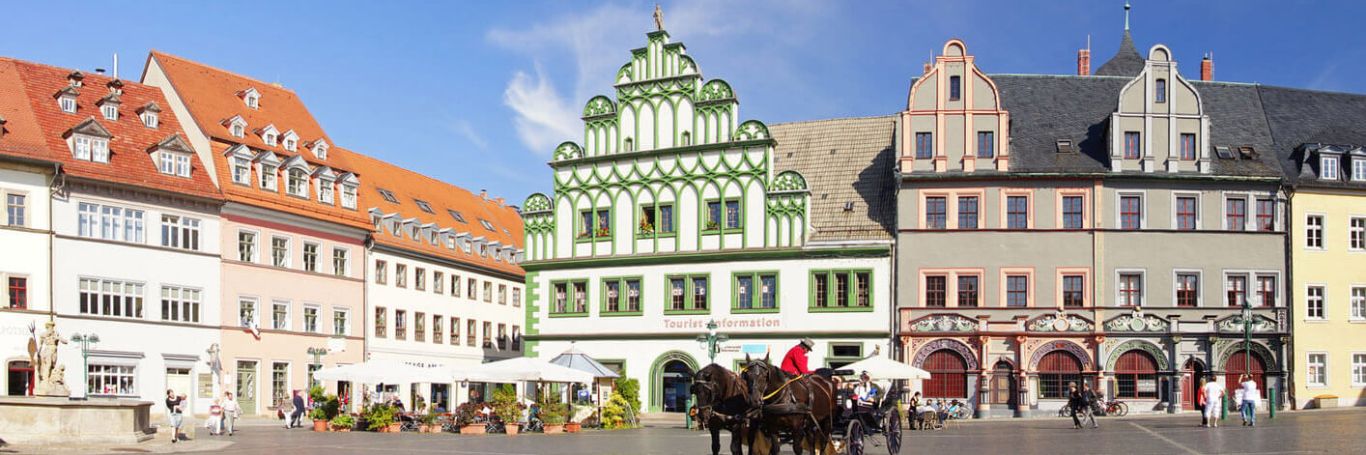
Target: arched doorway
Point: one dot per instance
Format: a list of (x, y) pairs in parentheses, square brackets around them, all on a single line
[(1190, 381), (948, 375), (1056, 370), (1136, 376), (1240, 362), (670, 377), (1003, 384)]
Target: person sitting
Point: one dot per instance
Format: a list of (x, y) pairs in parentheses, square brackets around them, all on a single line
[(795, 362), (953, 408), (866, 392)]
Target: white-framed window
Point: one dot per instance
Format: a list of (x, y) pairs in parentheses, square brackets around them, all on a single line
[(311, 256), (239, 129), (297, 184), (252, 98), (341, 321), (67, 103), (1129, 291), (180, 304), (348, 196), (1358, 369), (1313, 232), (1328, 167), (110, 111), (109, 222), (180, 232), (16, 209), (279, 315), (325, 191), (111, 380), (1358, 304), (320, 150), (247, 314), (341, 261), (90, 148), (171, 163), (279, 251), (117, 298), (269, 177), (311, 318), (150, 119), (270, 137), (1316, 369), (291, 144), (1356, 234), (246, 246), (241, 171), (1358, 170), (1314, 302)]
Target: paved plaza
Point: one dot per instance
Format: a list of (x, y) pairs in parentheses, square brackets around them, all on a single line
[(1290, 433)]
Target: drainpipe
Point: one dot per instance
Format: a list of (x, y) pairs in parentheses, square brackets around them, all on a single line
[(53, 187), (1289, 378)]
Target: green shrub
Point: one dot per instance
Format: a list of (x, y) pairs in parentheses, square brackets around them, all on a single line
[(505, 404), (553, 412), (343, 421), (380, 416), (629, 390), (615, 413)]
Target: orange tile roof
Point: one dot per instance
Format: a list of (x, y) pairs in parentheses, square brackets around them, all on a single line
[(213, 95), (408, 187), (129, 159), (21, 135)]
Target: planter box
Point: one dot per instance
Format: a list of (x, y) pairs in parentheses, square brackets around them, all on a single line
[(572, 427), (394, 428), (477, 428), (513, 428), (1325, 401), (553, 429)]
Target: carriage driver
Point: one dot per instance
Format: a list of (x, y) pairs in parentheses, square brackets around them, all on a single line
[(794, 363)]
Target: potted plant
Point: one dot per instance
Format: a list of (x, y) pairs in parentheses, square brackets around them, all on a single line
[(428, 423), (467, 417), (553, 417), (342, 423), (382, 418), (571, 426), (507, 408), (319, 416)]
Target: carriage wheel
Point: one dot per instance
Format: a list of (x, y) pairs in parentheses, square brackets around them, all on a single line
[(853, 438), (892, 428)]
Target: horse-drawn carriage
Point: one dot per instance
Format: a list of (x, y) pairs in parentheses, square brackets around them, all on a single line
[(763, 407)]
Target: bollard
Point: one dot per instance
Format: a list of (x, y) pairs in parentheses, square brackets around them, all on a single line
[(687, 415), (1223, 407), (1271, 403)]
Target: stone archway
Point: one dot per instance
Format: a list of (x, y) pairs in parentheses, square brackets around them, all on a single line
[(1061, 345), (1142, 345), (670, 366), (959, 347)]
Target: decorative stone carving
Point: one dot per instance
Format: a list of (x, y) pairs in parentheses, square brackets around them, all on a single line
[(1060, 345), (1137, 322), (959, 347), (1225, 348), (1060, 323), (1234, 324), (1153, 350), (944, 323), (49, 376)]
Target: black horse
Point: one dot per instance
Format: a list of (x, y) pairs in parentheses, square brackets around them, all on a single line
[(802, 407), (721, 405)]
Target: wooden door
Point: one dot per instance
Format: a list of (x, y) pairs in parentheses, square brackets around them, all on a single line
[(246, 387)]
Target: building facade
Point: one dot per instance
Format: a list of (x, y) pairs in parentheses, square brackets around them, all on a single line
[(675, 213), (292, 239), (1105, 228), (444, 288), (131, 212)]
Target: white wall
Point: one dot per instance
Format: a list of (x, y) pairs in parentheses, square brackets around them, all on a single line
[(25, 255)]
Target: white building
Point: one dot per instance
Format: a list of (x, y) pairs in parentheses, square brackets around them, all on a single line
[(133, 215), (674, 213), (444, 288)]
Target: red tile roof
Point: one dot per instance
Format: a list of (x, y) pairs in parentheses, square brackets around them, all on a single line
[(408, 187), (213, 96), (129, 159)]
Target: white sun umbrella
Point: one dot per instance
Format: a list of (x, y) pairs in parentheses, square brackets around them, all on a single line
[(882, 368), (382, 371), (529, 369)]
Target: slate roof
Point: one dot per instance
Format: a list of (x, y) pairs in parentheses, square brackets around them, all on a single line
[(1298, 117), (1127, 61), (843, 160)]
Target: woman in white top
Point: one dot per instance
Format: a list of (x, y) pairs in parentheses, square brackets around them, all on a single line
[(1250, 398)]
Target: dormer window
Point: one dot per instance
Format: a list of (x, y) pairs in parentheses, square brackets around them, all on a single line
[(320, 149), (424, 206), (252, 98), (90, 148), (149, 119), (1359, 170), (68, 104), (241, 171), (1328, 167), (110, 111), (1160, 91), (173, 163), (348, 196), (237, 127), (297, 184), (291, 141), (269, 135), (325, 190)]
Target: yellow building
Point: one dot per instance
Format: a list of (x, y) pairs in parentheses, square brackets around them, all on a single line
[(1328, 212)]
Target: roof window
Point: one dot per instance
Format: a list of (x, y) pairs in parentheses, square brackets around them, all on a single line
[(424, 206), (456, 215), (1065, 146), (252, 98), (487, 225), (388, 196)]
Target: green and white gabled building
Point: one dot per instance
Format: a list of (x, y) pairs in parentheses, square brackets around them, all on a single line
[(674, 213)]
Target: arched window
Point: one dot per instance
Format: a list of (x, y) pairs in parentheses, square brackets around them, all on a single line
[(1240, 362), (1056, 370), (948, 375), (1136, 375), (1160, 91)]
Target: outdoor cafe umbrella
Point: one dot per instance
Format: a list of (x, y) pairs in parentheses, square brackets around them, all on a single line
[(527, 369), (382, 371), (879, 367), (576, 359)]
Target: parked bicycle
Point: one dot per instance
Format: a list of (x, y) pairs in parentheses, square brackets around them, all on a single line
[(1116, 408)]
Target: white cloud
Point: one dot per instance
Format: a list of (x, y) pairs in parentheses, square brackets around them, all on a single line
[(544, 118), (463, 128)]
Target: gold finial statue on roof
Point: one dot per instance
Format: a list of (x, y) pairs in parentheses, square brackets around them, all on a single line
[(659, 17)]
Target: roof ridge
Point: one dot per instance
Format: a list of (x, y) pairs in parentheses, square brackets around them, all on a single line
[(275, 85), (834, 119), (63, 68), (435, 180)]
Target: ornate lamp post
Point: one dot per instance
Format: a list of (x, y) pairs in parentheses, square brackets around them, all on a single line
[(85, 342), (711, 341)]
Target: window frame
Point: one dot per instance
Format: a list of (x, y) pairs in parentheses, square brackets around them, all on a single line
[(1063, 213), (1309, 366), (690, 304), (1142, 209), (1357, 303), (1356, 233), (654, 209), (987, 139), (1030, 284), (623, 297), (1008, 214), (851, 293), (1310, 299), (570, 286), (597, 233), (1133, 145), (286, 260), (723, 225), (925, 291), (1061, 285), (924, 145), (1240, 224), (187, 305), (955, 88), (1179, 216), (1160, 91), (756, 298), (1177, 275), (1314, 230), (1329, 171), (975, 201), (928, 219), (976, 292), (1120, 291), (1187, 153)]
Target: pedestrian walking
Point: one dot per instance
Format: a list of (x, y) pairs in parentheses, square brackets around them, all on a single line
[(1200, 403), (1092, 403), (174, 412), (231, 411), (1251, 397), (215, 421), (1214, 395), (1076, 402), (297, 414)]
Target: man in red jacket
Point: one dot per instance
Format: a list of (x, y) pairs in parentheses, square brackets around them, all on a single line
[(794, 363)]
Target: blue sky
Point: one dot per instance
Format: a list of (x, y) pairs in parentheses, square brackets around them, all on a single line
[(478, 93)]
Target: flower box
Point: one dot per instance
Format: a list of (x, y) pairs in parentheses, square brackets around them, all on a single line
[(474, 428), (553, 428)]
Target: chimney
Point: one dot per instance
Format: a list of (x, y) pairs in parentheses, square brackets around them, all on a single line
[(499, 201), (1084, 59), (484, 194), (1207, 67)]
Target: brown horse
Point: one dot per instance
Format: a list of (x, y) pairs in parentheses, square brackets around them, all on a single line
[(803, 407), (721, 405)]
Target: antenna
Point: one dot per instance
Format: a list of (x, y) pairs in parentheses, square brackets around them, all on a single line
[(1088, 42)]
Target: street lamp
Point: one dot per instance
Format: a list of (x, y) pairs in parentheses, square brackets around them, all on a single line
[(85, 342), (712, 340)]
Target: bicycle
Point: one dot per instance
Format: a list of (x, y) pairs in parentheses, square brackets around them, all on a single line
[(1116, 408)]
